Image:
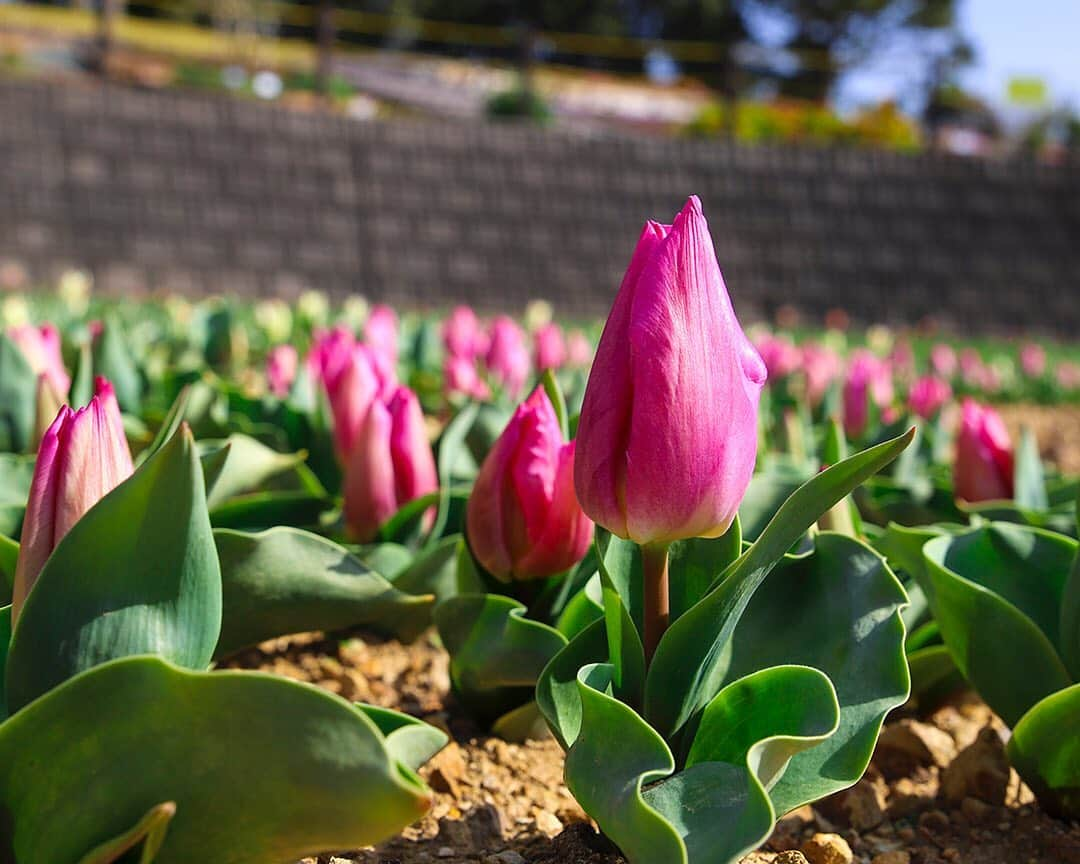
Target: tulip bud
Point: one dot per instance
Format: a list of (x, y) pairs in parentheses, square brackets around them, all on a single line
[(943, 360), (780, 356), (579, 349), (821, 366), (523, 519), (281, 365), (351, 393), (1033, 360), (550, 347), (462, 335), (928, 395), (381, 333), (507, 357), (41, 348), (983, 469), (668, 432), (83, 455), (868, 379), (461, 377), (391, 464)]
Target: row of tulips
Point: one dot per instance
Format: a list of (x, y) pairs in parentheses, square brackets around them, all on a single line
[(668, 559)]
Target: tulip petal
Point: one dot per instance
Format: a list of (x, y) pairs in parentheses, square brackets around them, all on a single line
[(370, 498), (415, 474)]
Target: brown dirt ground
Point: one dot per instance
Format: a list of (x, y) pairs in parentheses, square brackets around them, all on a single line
[(1056, 427), (938, 791)]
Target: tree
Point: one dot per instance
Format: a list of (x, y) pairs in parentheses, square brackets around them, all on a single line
[(831, 36)]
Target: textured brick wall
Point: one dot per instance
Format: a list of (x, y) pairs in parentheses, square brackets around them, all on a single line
[(204, 193)]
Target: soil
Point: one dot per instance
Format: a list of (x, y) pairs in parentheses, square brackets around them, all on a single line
[(939, 790)]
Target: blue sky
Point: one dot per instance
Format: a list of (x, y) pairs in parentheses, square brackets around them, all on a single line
[(1030, 38)]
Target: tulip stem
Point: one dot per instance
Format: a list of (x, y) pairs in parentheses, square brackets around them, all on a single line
[(657, 599)]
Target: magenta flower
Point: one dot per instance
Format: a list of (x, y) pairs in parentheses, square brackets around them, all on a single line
[(390, 464), (943, 360), (461, 378), (83, 455), (579, 350), (507, 356), (550, 347), (820, 366), (928, 395), (41, 348), (281, 365), (381, 333), (983, 470), (780, 355), (329, 355), (667, 437), (523, 520), (1033, 360), (462, 334), (869, 380)]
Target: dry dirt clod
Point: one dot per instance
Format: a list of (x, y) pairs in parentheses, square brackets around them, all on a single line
[(979, 771), (908, 745), (448, 769), (792, 856), (828, 849), (861, 807)]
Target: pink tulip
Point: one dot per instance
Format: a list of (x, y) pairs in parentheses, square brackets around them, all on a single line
[(83, 455), (868, 380), (351, 393), (523, 520), (507, 357), (902, 359), (461, 378), (668, 432), (983, 470), (780, 355), (1033, 360), (579, 350), (41, 348), (329, 355), (943, 360), (821, 366), (550, 347), (462, 334), (381, 333), (391, 464), (281, 365), (928, 395), (971, 367), (1067, 375)]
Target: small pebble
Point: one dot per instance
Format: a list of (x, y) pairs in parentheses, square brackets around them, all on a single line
[(827, 849), (896, 857)]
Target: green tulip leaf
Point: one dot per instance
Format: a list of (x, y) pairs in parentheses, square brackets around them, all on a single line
[(407, 522), (169, 425), (408, 740), (266, 509), (386, 559), (248, 465), (260, 768), (285, 580), (524, 723), (18, 399), (452, 449), (496, 654), (689, 665), (1029, 479), (16, 475), (768, 490), (9, 558), (558, 401), (933, 673), (5, 643), (557, 692), (82, 382), (434, 571), (113, 359), (613, 757), (1070, 621), (694, 564), (1045, 751), (847, 626), (626, 654), (585, 607), (997, 595), (137, 574)]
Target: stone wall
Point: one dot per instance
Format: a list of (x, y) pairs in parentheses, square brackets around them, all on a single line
[(206, 193)]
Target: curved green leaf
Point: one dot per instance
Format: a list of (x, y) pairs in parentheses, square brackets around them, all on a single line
[(138, 573), (1070, 621), (18, 399), (260, 768), (614, 755), (9, 558), (496, 654), (1029, 480), (408, 740), (147, 834), (267, 509), (688, 667), (557, 692), (848, 626), (1047, 756), (113, 359), (996, 594), (285, 581), (434, 571), (248, 465), (451, 449)]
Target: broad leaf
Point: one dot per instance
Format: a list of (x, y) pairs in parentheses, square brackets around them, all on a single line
[(137, 574), (18, 399), (1045, 750), (260, 768), (286, 581)]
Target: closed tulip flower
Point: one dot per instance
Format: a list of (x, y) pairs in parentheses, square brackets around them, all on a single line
[(390, 464), (462, 335), (281, 363), (668, 432), (381, 333), (869, 380), (523, 519), (507, 357), (550, 347), (83, 455), (928, 395), (41, 348), (983, 469)]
